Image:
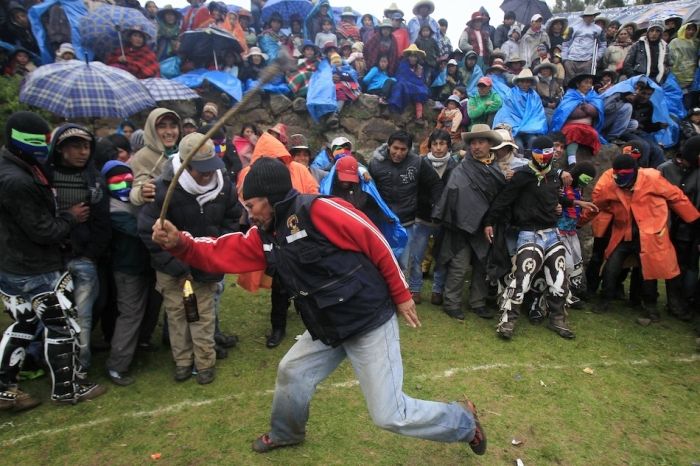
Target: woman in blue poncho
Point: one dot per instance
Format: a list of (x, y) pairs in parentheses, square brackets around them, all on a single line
[(522, 110), (580, 116), (409, 85)]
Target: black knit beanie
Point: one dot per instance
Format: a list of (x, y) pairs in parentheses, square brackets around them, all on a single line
[(542, 142), (624, 161), (691, 150), (26, 122), (268, 177)]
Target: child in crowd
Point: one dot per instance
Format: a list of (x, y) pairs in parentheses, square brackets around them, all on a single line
[(367, 29), (410, 86), (450, 118), (429, 45), (20, 63), (357, 60), (378, 82), (136, 57), (326, 35)]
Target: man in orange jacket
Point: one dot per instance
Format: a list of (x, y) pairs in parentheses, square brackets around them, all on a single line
[(638, 200), (304, 182)]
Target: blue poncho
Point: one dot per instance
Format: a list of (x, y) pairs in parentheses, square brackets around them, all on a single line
[(408, 88), (392, 230), (219, 79), (568, 104), (666, 137), (674, 96), (320, 98), (312, 14), (74, 10), (471, 84), (523, 111), (500, 86)]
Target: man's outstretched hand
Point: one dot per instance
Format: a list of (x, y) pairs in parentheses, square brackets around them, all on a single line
[(408, 311), (166, 236)]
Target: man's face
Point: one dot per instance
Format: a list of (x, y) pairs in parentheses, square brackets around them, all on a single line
[(480, 148), (585, 86), (168, 131), (398, 151), (260, 212), (612, 30), (443, 30), (201, 178), (423, 10), (508, 22), (559, 149), (152, 8), (524, 85), (21, 18), (189, 129), (516, 67), (136, 39), (476, 24), (588, 19), (439, 148), (75, 152), (644, 95), (483, 90), (301, 156), (654, 34), (471, 63)]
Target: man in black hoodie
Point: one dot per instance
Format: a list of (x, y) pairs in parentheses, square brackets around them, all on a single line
[(75, 179), (533, 199), (33, 286)]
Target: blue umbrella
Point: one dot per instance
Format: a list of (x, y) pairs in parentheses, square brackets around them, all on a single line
[(101, 30), (287, 9), (75, 89), (167, 89), (219, 79)]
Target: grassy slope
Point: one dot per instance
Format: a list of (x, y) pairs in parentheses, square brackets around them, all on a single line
[(640, 406)]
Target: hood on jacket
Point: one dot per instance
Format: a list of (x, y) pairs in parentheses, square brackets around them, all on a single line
[(270, 146), (564, 21), (681, 32), (150, 137), (54, 159)]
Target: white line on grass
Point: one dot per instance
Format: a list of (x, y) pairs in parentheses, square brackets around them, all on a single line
[(348, 384)]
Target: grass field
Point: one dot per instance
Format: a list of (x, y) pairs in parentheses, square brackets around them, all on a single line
[(639, 406)]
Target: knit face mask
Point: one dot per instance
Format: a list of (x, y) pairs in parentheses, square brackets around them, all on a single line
[(120, 186), (340, 152), (625, 177), (584, 179), (542, 157), (36, 145)]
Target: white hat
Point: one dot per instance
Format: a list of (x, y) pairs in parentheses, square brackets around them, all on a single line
[(536, 17), (452, 62), (340, 141)]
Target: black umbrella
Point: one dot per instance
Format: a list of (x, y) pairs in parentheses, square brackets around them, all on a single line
[(525, 9), (203, 43)]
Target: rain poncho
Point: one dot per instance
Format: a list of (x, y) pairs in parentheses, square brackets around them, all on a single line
[(471, 81), (408, 88), (312, 23), (568, 104), (499, 86), (320, 99), (674, 96), (74, 10), (666, 137), (392, 230), (523, 111), (684, 54)]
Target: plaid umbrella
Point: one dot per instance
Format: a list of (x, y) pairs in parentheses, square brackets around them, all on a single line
[(165, 89), (100, 30), (75, 89), (287, 9)]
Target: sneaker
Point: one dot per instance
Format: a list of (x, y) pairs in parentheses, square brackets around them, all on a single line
[(227, 341), (221, 352), (505, 330), (478, 443), (88, 391), (416, 297), (483, 312), (264, 443), (454, 313), (436, 299), (15, 400), (206, 376), (182, 373), (120, 378)]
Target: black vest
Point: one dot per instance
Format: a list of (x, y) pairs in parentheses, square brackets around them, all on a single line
[(338, 293)]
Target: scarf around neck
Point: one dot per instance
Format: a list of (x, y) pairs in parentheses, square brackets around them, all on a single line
[(438, 161), (203, 194), (540, 174)]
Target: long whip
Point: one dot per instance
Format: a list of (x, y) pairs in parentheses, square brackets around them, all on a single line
[(281, 64)]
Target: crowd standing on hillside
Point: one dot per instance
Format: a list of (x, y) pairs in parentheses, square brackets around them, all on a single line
[(499, 188)]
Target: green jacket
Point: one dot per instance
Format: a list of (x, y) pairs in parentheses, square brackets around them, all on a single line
[(480, 107)]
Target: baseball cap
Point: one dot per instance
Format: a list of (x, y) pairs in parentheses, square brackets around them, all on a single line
[(485, 81), (340, 141), (346, 169), (536, 17)]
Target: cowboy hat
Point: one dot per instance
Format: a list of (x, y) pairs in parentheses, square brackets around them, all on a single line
[(605, 20), (347, 12), (386, 23), (515, 59), (497, 53), (476, 16), (590, 11), (536, 70), (497, 64), (389, 12), (507, 139), (255, 51), (480, 131), (525, 75), (428, 3), (576, 80), (168, 9), (413, 49)]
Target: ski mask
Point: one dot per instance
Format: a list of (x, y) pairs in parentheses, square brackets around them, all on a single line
[(624, 171), (119, 179), (28, 134), (542, 152)]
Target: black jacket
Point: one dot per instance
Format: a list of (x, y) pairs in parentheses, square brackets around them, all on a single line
[(31, 231), (409, 188), (531, 203), (218, 217), (89, 239)]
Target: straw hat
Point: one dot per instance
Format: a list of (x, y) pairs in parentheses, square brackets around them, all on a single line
[(525, 75), (506, 139), (413, 49), (256, 51), (590, 10), (168, 9), (393, 8), (515, 59), (480, 131), (386, 23), (542, 66), (347, 13), (497, 64), (576, 80)]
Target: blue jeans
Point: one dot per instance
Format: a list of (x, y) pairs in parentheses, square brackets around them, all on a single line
[(405, 257), (84, 273), (543, 238), (376, 358), (28, 286), (418, 245)]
